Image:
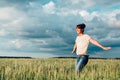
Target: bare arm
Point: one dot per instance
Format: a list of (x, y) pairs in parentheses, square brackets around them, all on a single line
[(98, 44), (74, 48)]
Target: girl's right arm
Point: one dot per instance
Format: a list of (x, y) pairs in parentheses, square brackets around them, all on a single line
[(74, 48)]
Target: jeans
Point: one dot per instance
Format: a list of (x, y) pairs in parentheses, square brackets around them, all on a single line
[(81, 61)]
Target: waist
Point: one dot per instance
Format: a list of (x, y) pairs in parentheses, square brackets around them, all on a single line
[(80, 53), (84, 55)]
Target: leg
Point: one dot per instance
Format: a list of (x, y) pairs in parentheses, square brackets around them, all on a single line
[(81, 62)]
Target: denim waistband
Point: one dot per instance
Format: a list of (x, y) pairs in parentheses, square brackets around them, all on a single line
[(83, 56)]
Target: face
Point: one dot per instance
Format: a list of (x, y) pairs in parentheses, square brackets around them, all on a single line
[(78, 30)]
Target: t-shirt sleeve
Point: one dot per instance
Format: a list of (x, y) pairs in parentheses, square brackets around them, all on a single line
[(76, 40), (88, 37)]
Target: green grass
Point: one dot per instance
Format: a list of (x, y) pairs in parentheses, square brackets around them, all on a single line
[(58, 69)]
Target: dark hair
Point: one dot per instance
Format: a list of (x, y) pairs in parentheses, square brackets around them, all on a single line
[(81, 26)]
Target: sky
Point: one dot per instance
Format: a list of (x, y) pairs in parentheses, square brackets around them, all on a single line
[(46, 28)]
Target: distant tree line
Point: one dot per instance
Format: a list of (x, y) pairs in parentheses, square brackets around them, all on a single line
[(90, 57), (13, 57), (54, 57)]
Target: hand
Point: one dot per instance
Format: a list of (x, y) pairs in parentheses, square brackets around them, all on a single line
[(73, 51), (106, 48)]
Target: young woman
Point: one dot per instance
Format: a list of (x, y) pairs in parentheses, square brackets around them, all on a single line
[(81, 46)]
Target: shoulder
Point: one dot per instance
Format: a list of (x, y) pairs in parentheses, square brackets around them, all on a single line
[(77, 37), (87, 36)]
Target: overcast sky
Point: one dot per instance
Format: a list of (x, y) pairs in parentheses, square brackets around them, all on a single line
[(46, 28)]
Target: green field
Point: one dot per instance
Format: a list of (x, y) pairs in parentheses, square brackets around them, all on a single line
[(58, 69)]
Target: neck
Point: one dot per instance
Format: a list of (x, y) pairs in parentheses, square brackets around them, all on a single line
[(81, 34)]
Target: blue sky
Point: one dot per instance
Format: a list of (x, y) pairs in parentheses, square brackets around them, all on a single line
[(46, 28)]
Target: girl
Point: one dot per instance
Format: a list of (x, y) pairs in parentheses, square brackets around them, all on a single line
[(81, 46)]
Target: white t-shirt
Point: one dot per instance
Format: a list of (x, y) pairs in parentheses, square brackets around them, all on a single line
[(82, 43)]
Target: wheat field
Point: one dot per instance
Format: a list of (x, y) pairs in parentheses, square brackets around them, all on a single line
[(58, 69)]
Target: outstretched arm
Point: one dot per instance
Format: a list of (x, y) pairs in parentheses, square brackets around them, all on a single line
[(98, 44), (74, 48)]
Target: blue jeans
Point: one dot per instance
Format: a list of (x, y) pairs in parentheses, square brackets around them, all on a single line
[(81, 61)]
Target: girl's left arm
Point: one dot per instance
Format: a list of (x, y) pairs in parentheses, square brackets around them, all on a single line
[(98, 44)]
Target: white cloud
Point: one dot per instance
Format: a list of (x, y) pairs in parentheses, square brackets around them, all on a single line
[(83, 13), (113, 36), (75, 1), (32, 4), (87, 3), (107, 17), (5, 13), (49, 8), (18, 43), (47, 49), (40, 41), (87, 16), (112, 20), (9, 13), (11, 18), (66, 12), (76, 4), (3, 32)]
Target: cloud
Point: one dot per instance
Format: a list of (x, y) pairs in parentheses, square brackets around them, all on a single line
[(18, 43), (11, 18), (114, 53), (49, 7), (10, 13), (49, 26), (110, 18), (113, 20), (88, 16), (3, 32)]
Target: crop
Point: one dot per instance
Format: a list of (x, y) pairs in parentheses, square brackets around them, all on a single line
[(58, 69)]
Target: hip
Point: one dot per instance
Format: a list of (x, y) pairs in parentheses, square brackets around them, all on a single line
[(82, 56)]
